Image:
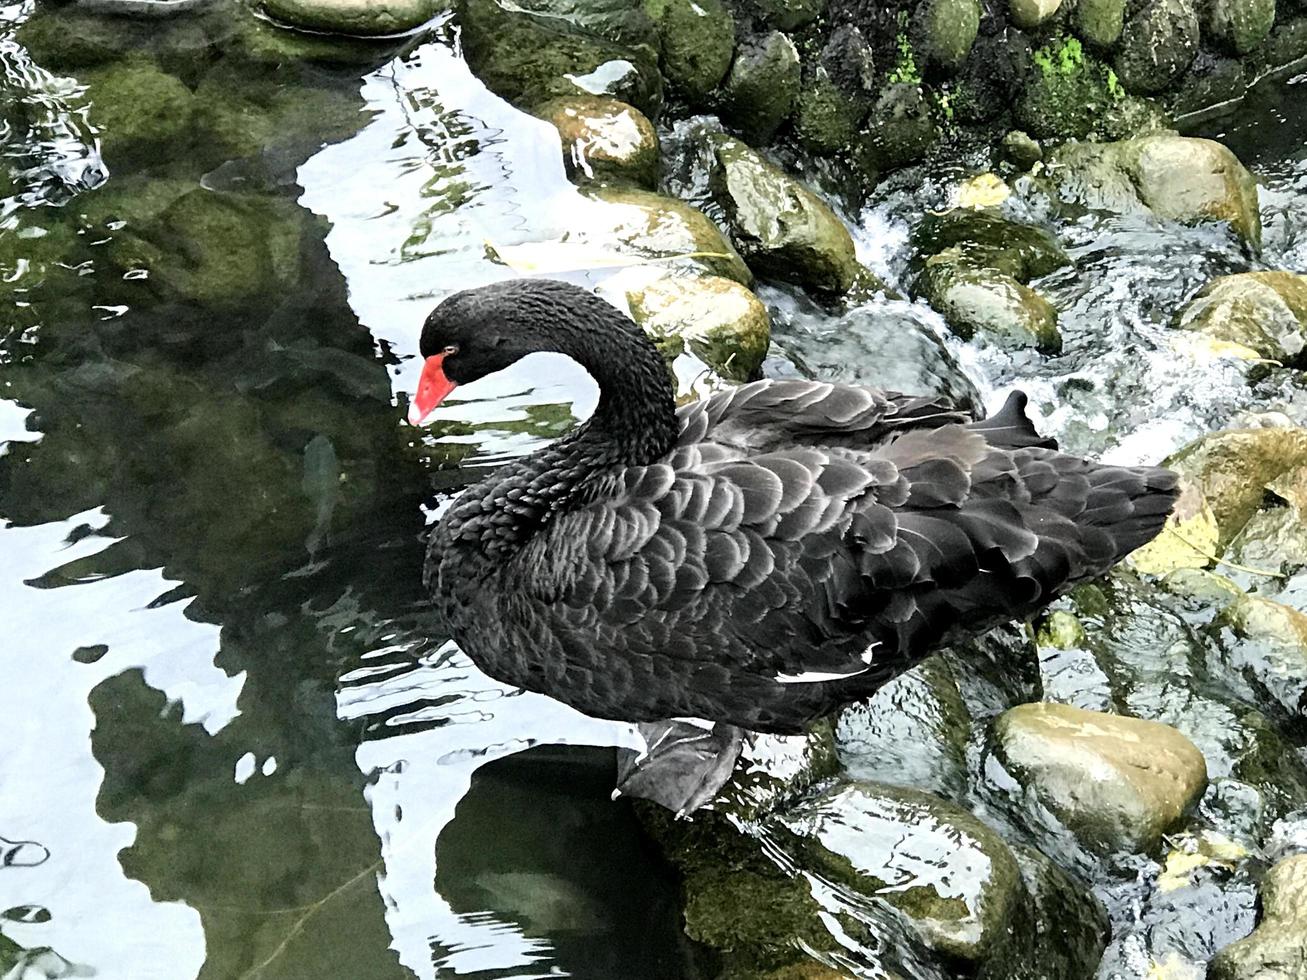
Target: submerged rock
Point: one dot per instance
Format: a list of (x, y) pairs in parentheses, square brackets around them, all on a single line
[(604, 139), (363, 17), (1271, 654), (1265, 312), (1117, 783), (762, 87), (1277, 948), (780, 227), (988, 240), (658, 226), (1176, 177), (698, 39), (529, 59), (1158, 43), (723, 322), (142, 113)]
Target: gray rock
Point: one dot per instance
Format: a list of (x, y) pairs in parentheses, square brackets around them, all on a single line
[(780, 227), (1029, 14), (1022, 151), (1277, 948), (900, 128), (361, 17), (698, 41), (762, 86), (981, 301), (1265, 312), (788, 15), (623, 22), (1158, 43), (946, 30), (1238, 25), (1117, 783), (1073, 924), (1271, 651), (1176, 177), (1099, 21), (826, 119)]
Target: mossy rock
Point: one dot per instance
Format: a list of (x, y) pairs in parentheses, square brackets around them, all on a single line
[(1239, 26), (142, 113), (991, 241), (1146, 775), (623, 22), (1277, 948), (723, 323), (1175, 177), (1263, 311), (982, 301), (762, 86), (529, 60), (657, 226), (1099, 22), (357, 17), (604, 139), (946, 29), (698, 41), (1158, 44), (1213, 79), (786, 15), (1271, 653), (780, 227), (900, 128), (1068, 92), (1073, 924), (826, 120), (67, 38)]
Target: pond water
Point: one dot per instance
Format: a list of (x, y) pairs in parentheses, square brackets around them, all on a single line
[(233, 745)]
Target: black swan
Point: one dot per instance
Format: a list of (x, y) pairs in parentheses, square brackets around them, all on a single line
[(756, 559)]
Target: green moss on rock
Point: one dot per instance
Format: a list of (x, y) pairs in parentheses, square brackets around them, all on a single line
[(762, 86), (1158, 44), (698, 41), (946, 30), (1067, 91), (141, 112), (825, 119), (1239, 26), (1099, 22)]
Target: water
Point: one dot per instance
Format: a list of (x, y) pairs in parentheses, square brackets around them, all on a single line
[(235, 746)]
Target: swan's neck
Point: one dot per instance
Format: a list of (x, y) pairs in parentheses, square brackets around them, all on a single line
[(634, 424)]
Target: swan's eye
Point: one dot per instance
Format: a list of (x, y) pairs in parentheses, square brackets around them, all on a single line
[(451, 350)]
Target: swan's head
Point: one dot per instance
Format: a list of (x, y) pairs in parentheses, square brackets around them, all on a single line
[(480, 331)]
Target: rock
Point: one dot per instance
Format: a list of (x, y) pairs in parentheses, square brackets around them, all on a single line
[(1238, 25), (762, 86), (654, 225), (722, 321), (826, 119), (952, 876), (1211, 80), (698, 40), (1272, 652), (1117, 783), (1029, 14), (1099, 21), (604, 139), (882, 344), (900, 129), (990, 303), (141, 112), (1263, 311), (623, 22), (1274, 538), (946, 29), (1234, 469), (529, 60), (1021, 151), (362, 17), (1277, 948), (912, 732), (788, 15), (780, 227), (988, 240), (1158, 43), (1176, 177), (1068, 92), (1073, 924), (849, 63)]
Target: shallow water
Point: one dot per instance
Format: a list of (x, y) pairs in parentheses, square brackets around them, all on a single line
[(233, 746)]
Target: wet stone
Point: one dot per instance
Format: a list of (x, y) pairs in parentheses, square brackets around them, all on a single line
[(762, 86), (1238, 25), (1265, 312), (698, 40), (1177, 178), (1270, 652), (780, 227), (1068, 92), (826, 119), (989, 303), (900, 128), (1158, 44), (1021, 150), (1117, 783), (1028, 14), (947, 29), (361, 17), (721, 321), (604, 139), (142, 113), (1277, 948)]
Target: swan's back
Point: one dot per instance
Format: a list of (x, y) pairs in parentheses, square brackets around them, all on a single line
[(801, 544)]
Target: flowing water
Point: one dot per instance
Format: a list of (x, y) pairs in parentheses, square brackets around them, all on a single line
[(232, 743)]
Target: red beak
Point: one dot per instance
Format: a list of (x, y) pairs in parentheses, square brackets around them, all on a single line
[(433, 387)]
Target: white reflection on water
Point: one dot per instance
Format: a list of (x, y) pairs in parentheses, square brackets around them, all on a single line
[(45, 728)]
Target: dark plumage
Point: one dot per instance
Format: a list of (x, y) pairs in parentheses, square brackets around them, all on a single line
[(760, 557)]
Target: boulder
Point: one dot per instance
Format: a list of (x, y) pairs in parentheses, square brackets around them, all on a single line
[(762, 86), (721, 321), (988, 240), (1277, 948), (604, 139), (1021, 150), (1265, 312), (529, 59), (140, 111), (780, 227), (982, 301), (1158, 44), (1029, 14), (946, 29), (361, 17), (1117, 783), (1239, 26), (663, 227), (1099, 21), (900, 128), (697, 40), (1270, 652), (1068, 92), (1176, 177), (826, 119)]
